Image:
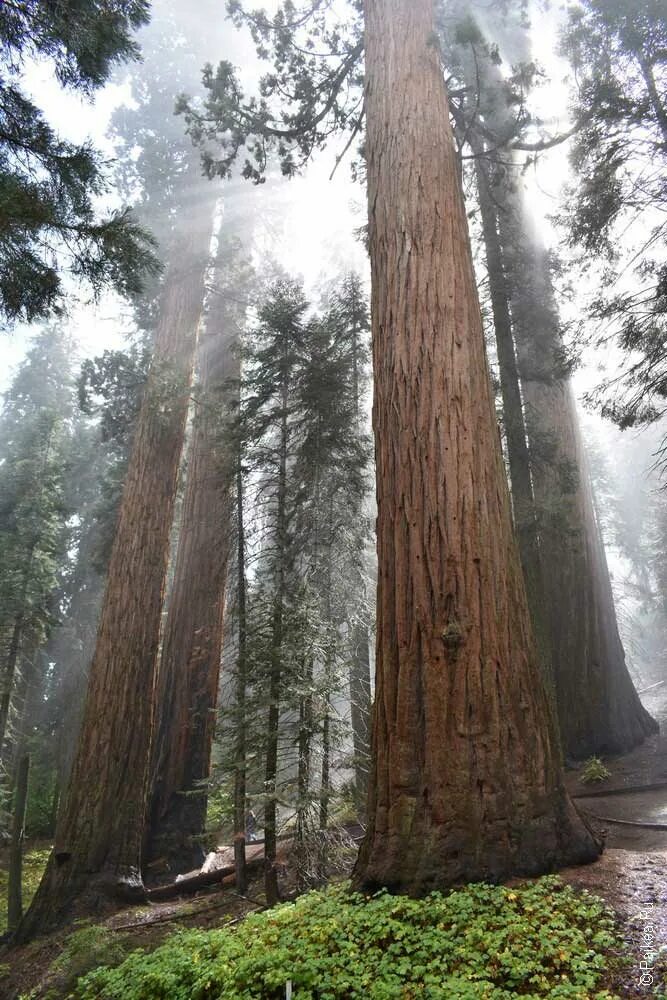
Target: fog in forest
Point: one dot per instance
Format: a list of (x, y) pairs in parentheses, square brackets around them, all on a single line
[(333, 471)]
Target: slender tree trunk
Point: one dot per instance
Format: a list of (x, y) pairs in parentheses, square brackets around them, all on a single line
[(466, 780), (599, 710), (98, 842), (10, 677), (275, 676), (240, 792), (15, 875), (523, 501), (303, 825), (360, 713), (360, 666), (189, 672), (659, 109), (325, 774)]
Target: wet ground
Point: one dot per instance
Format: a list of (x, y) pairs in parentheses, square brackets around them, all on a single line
[(630, 807), (634, 885), (629, 811)]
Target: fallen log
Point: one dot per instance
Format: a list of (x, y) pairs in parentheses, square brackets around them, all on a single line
[(204, 879), (201, 880)]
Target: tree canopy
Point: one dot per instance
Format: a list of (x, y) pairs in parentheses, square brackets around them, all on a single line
[(49, 186)]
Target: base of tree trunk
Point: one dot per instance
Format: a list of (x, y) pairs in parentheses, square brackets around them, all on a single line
[(176, 855), (65, 895), (177, 836), (425, 858), (621, 731)]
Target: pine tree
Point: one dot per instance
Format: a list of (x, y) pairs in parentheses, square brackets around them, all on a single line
[(614, 215), (47, 184), (348, 313), (36, 430), (269, 404)]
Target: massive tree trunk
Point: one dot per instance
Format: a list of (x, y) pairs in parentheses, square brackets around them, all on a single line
[(98, 842), (466, 780), (192, 645), (598, 707)]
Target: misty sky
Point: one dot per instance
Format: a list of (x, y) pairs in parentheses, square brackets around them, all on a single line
[(313, 219)]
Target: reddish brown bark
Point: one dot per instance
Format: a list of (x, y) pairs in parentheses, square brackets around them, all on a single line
[(192, 644), (523, 501), (466, 781), (599, 710), (98, 838)]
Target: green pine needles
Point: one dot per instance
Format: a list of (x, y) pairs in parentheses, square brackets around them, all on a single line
[(48, 185)]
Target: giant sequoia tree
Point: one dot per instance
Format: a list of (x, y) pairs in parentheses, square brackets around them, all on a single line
[(192, 643), (99, 835), (562, 552), (466, 779), (462, 741), (598, 707)]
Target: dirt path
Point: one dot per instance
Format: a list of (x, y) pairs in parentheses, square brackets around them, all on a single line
[(646, 765), (635, 886), (631, 875)]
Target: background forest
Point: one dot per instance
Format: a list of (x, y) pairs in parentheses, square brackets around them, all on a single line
[(231, 418)]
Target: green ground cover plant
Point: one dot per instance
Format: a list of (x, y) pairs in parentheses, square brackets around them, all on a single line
[(481, 942)]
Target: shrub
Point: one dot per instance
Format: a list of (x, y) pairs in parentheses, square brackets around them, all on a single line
[(478, 943), (594, 770)]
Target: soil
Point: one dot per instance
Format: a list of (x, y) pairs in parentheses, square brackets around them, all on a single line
[(634, 885), (627, 816)]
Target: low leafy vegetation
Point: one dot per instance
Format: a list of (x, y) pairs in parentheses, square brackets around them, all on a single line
[(594, 770), (478, 943)]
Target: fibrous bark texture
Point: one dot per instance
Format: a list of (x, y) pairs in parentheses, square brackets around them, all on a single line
[(192, 644), (598, 708), (98, 841), (523, 501), (466, 781)]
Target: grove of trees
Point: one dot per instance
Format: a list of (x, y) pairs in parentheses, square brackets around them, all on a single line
[(329, 560)]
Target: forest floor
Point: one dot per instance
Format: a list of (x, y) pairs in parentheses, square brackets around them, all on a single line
[(631, 876), (629, 808)]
